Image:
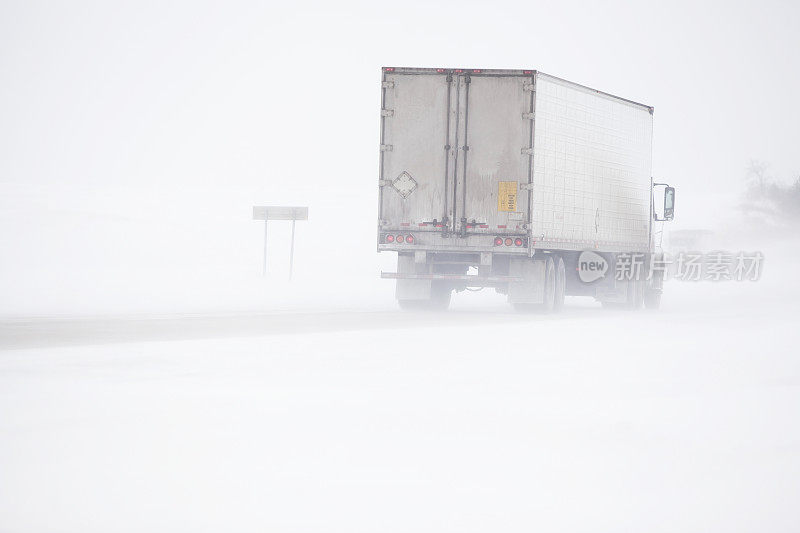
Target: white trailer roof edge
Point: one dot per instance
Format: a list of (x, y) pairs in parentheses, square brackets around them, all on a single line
[(595, 91), (511, 72)]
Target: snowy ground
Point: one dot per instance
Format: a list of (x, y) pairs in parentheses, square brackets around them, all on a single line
[(151, 380), (373, 420)]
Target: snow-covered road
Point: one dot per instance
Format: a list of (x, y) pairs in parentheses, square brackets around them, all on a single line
[(476, 420)]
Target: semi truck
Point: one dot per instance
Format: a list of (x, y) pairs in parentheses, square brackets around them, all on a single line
[(518, 181)]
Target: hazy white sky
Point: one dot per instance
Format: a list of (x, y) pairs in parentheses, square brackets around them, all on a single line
[(230, 92)]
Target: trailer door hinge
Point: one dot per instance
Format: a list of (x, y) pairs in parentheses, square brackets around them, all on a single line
[(387, 112), (527, 151), (528, 87), (386, 148), (526, 186), (528, 116), (387, 85)]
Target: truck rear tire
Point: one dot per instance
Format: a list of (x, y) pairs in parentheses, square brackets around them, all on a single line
[(634, 297), (549, 286), (440, 296)]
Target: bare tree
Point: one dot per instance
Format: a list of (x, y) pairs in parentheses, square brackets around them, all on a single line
[(757, 175), (768, 202)]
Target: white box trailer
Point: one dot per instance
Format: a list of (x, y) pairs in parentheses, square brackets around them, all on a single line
[(515, 173)]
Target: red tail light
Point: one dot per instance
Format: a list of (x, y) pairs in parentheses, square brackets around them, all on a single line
[(498, 241), (399, 238), (508, 241), (518, 241), (409, 239), (390, 238)]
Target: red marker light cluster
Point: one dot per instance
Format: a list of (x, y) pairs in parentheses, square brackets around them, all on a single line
[(508, 241), (400, 239)]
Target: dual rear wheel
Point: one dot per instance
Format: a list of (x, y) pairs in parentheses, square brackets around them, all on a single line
[(555, 285), (638, 293)]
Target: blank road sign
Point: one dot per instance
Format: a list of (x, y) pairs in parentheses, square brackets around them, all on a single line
[(263, 212), (279, 212)]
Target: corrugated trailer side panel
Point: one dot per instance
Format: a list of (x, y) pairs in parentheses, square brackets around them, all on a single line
[(591, 169)]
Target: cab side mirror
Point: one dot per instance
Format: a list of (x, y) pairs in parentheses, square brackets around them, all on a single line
[(669, 203)]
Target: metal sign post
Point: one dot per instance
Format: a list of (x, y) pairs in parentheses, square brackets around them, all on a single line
[(264, 272), (266, 213), (291, 252)]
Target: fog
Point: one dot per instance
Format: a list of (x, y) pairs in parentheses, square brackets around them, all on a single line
[(152, 378), (136, 137)]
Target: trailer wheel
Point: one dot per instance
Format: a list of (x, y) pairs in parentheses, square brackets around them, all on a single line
[(440, 296), (549, 286), (560, 284)]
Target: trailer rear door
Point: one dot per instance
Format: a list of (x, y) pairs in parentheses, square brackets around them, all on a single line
[(415, 149), (496, 126)]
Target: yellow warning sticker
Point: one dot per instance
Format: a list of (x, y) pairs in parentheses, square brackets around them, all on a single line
[(507, 196)]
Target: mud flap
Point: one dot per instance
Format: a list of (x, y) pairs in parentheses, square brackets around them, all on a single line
[(531, 289), (412, 289)]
